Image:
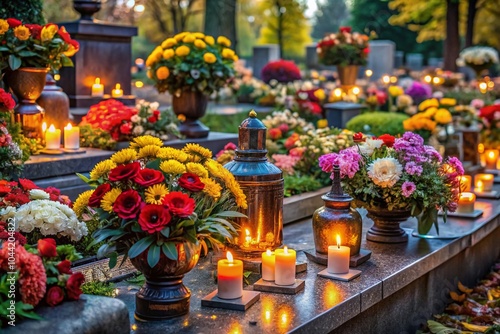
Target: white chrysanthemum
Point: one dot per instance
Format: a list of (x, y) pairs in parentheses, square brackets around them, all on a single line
[(138, 130), (38, 194), (369, 146), (385, 172), (7, 213)]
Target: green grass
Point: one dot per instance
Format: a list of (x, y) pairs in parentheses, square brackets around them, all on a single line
[(226, 123), (378, 123)]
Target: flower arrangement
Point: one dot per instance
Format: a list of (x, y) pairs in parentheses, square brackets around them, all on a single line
[(398, 173), (490, 132), (478, 57), (148, 198), (281, 70), (33, 45), (192, 61), (343, 48)]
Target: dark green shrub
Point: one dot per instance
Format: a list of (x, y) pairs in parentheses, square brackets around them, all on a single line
[(378, 123), (27, 11)]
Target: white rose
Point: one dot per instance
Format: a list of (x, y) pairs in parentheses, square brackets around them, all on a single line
[(385, 172), (38, 194), (369, 146)]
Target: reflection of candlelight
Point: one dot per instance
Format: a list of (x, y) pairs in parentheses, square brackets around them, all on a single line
[(465, 182), (267, 308), (466, 202), (330, 295), (285, 316)]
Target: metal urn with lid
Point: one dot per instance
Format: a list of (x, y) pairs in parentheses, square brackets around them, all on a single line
[(262, 182)]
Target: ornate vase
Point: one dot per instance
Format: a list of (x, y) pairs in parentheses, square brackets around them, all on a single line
[(190, 106), (55, 102), (164, 296), (386, 225), (347, 75), (27, 84), (87, 8)]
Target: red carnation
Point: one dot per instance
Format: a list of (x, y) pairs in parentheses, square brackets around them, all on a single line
[(154, 218), (488, 112), (147, 177), (28, 184), (6, 100), (125, 172), (54, 296), (98, 194), (179, 203), (126, 128), (275, 133), (357, 137), (47, 247), (128, 204), (64, 267), (345, 29), (73, 286), (388, 139), (14, 22), (191, 182)]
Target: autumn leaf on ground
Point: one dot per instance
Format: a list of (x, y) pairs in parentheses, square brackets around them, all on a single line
[(463, 288), (475, 328), (456, 297)]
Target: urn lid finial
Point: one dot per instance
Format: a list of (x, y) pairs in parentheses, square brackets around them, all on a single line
[(252, 135), (337, 193)]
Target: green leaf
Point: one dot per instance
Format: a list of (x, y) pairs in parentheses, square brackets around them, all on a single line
[(154, 164), (83, 177), (426, 220), (170, 250), (438, 328), (140, 246), (235, 214), (165, 232), (65, 61), (113, 258), (153, 255), (14, 62)]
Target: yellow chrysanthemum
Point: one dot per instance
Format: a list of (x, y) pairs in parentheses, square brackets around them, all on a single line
[(429, 113), (180, 36), (209, 40), (320, 94), (189, 38), (168, 53), (48, 32), (22, 33), (239, 196), (198, 34), (149, 73), (155, 193), (227, 53), (212, 188), (182, 51), (157, 52), (322, 123), (196, 168), (109, 199), (427, 104), (162, 72), (235, 58), (213, 168), (151, 60), (443, 116), (196, 149), (82, 202), (148, 151), (168, 43), (449, 102), (4, 26), (224, 41), (102, 168), (172, 153), (143, 141), (200, 44), (173, 167), (395, 91), (124, 156), (209, 58)]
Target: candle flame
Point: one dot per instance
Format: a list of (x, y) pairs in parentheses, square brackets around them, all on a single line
[(118, 86), (285, 250), (491, 154), (247, 232), (229, 257), (52, 128), (68, 127), (338, 241), (44, 126), (97, 81), (268, 252)]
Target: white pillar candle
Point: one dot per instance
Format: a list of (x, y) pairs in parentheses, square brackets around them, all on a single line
[(117, 92), (229, 278), (338, 258), (466, 202), (483, 182), (268, 264), (52, 138), (491, 157), (71, 137), (97, 88), (284, 266)]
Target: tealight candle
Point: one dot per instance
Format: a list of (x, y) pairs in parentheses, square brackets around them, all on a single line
[(97, 88), (465, 182), (483, 182), (71, 137), (229, 278), (284, 266), (491, 158), (466, 202), (268, 264), (117, 92), (338, 258), (52, 138)]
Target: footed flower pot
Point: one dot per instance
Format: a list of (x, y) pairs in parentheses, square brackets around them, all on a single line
[(386, 225)]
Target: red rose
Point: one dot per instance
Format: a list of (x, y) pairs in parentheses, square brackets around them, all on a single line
[(128, 204), (191, 182), (7, 100), (54, 296), (47, 247), (345, 29), (366, 51), (14, 22), (357, 137), (154, 218), (73, 285), (64, 267), (125, 172), (147, 177), (35, 30), (28, 184), (388, 140), (179, 203), (275, 133), (98, 194)]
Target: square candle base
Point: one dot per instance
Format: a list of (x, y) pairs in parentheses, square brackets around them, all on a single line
[(354, 261), (238, 304), (268, 286), (487, 194), (73, 151), (352, 274), (473, 215)]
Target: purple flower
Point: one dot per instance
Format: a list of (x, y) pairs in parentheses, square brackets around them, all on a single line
[(327, 161), (433, 154), (413, 169), (348, 161), (408, 188), (457, 165), (419, 91)]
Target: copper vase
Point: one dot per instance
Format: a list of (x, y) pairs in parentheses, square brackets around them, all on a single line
[(27, 84), (386, 225), (347, 75), (191, 106)]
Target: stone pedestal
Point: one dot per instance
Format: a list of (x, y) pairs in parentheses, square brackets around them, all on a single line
[(311, 57), (105, 52), (381, 58), (339, 113), (263, 54), (414, 61)]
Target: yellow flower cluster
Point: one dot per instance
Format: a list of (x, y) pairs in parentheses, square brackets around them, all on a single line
[(22, 33), (436, 110), (4, 26), (395, 91), (419, 122), (427, 104)]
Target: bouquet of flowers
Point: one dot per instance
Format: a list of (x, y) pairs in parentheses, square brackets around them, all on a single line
[(398, 173), (343, 48), (149, 198), (192, 61), (32, 45), (478, 58), (490, 133), (281, 70)]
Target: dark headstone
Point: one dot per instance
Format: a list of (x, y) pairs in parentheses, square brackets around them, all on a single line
[(339, 113)]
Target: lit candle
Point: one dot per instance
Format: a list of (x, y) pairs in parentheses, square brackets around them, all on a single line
[(483, 182), (97, 88), (268, 263), (52, 138), (338, 258), (229, 278), (491, 157), (466, 202), (71, 137), (465, 182), (386, 79), (284, 266), (117, 92)]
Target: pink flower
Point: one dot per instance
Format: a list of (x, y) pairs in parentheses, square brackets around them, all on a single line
[(285, 162), (408, 188)]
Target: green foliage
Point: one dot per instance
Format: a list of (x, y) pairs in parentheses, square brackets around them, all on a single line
[(96, 137), (465, 97), (225, 123), (298, 184), (378, 123), (97, 288), (27, 11)]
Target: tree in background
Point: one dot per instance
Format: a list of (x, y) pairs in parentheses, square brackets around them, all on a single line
[(329, 16), (27, 11), (220, 19), (285, 24)]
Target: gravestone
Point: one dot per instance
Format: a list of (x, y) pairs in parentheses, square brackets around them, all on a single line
[(381, 58), (339, 113), (263, 54), (399, 59), (436, 62), (311, 57), (414, 61)]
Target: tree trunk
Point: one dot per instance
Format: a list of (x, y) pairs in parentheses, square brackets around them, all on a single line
[(471, 18), (452, 41), (220, 19), (281, 51)]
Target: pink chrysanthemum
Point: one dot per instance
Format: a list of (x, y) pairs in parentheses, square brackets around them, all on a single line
[(408, 188)]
